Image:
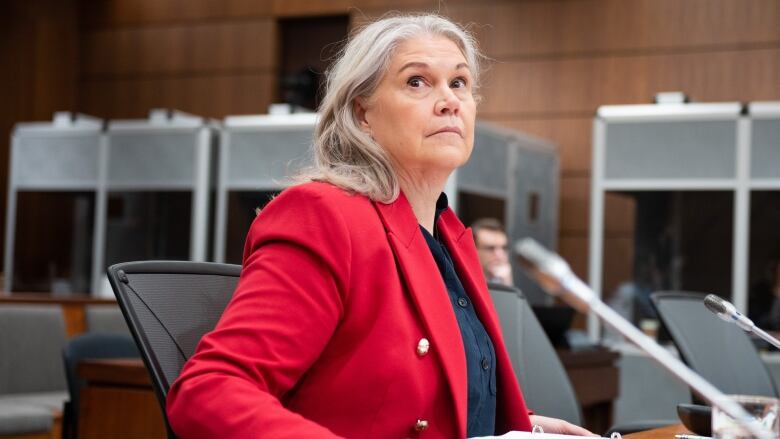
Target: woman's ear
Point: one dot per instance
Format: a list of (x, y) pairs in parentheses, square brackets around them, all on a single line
[(359, 107)]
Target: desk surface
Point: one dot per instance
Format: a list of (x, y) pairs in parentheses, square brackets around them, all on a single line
[(660, 433)]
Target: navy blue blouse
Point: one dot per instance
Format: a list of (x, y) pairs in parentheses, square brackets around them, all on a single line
[(480, 355)]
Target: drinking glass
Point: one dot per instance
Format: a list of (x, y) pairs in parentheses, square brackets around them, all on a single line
[(763, 408)]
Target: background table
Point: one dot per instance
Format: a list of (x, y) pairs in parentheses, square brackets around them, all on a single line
[(118, 401)]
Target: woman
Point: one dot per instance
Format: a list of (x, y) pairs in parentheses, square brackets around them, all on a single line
[(362, 310)]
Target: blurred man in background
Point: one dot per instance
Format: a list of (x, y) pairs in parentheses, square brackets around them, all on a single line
[(492, 248)]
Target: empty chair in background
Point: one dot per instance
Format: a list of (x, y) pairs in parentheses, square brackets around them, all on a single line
[(105, 319), (720, 352), (18, 420), (32, 380), (33, 337)]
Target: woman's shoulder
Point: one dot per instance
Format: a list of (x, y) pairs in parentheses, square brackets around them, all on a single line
[(320, 195), (315, 212), (315, 203)]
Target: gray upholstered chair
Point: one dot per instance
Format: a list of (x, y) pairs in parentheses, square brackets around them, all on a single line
[(31, 344), (24, 419), (719, 351), (32, 379), (106, 319), (546, 386), (169, 306)]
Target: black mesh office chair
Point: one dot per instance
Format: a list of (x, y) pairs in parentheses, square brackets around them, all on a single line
[(545, 383), (169, 306), (719, 351), (89, 346)]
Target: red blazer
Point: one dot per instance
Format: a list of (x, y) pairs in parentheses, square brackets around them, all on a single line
[(321, 337)]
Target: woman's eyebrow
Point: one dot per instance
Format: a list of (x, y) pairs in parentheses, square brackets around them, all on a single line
[(413, 64), (423, 65)]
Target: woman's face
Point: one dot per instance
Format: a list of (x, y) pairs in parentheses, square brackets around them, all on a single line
[(423, 110)]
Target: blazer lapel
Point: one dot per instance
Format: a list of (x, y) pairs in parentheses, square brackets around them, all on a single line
[(512, 413), (426, 287), (460, 243)]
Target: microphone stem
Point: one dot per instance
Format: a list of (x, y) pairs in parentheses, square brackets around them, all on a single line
[(767, 337), (573, 285)]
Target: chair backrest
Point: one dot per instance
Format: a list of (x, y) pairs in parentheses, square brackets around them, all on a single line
[(31, 341), (90, 346), (719, 351), (546, 386), (169, 306), (106, 319)]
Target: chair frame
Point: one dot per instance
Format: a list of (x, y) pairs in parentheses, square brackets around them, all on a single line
[(117, 276)]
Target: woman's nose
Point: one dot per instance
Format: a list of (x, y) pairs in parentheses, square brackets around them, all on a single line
[(447, 103)]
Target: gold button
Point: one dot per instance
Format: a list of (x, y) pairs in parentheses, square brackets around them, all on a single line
[(423, 346), (421, 425)]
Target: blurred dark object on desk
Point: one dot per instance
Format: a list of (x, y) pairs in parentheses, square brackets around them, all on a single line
[(763, 345), (555, 321), (696, 418)]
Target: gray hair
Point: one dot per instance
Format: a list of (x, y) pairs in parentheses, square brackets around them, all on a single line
[(345, 155)]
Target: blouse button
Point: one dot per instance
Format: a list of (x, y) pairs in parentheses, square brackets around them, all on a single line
[(423, 346), (421, 425)]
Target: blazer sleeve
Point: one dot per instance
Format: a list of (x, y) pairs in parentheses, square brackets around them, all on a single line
[(288, 303)]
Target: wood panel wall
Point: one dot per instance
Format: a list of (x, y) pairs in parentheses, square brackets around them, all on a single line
[(552, 63), (38, 49)]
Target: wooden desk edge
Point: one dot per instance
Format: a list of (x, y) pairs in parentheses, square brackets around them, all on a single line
[(124, 371)]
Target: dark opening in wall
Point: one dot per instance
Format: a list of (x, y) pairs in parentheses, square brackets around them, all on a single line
[(306, 48), (472, 207)]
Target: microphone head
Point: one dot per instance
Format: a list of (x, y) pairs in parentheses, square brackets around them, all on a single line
[(719, 307), (544, 266), (715, 304), (535, 255), (550, 271)]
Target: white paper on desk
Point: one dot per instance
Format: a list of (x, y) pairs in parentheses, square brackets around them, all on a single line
[(529, 435)]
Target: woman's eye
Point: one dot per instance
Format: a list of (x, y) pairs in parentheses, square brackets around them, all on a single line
[(415, 82), (458, 83)]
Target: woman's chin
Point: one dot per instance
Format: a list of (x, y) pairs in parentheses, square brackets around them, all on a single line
[(447, 163), (452, 155)]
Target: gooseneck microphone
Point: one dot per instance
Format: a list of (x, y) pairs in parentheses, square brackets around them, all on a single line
[(728, 312), (555, 276)]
